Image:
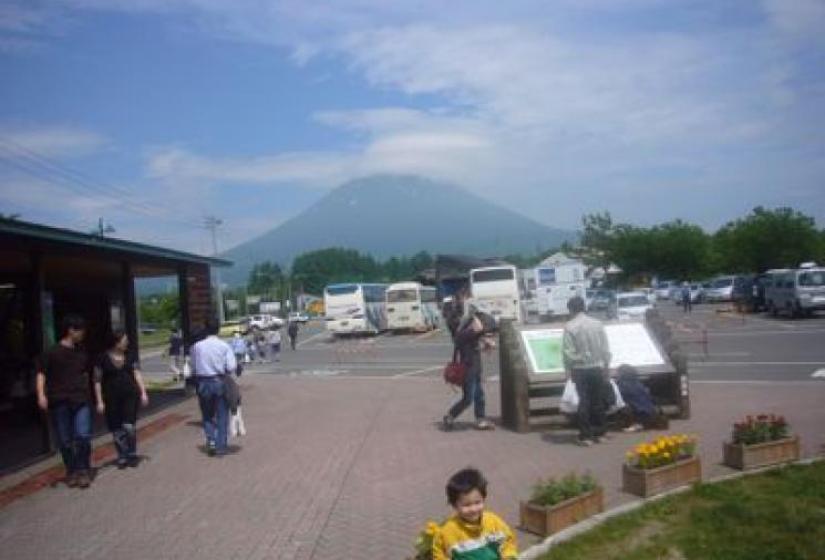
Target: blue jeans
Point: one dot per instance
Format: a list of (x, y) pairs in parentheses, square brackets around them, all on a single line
[(72, 425), (215, 412), (472, 393)]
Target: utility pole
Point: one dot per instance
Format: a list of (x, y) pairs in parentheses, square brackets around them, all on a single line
[(212, 223), (102, 228)]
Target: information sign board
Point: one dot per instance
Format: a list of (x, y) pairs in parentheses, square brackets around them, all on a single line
[(544, 350), (629, 343)]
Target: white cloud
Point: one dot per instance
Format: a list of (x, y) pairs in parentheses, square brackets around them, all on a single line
[(585, 97), (51, 141), (800, 18)]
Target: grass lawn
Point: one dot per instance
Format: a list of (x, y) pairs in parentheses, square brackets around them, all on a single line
[(778, 515)]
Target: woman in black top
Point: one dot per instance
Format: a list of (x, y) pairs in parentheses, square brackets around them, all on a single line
[(118, 388)]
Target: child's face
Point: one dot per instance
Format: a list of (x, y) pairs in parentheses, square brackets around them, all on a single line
[(470, 506)]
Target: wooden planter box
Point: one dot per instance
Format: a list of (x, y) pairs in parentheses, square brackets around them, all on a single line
[(739, 456), (649, 482), (544, 520)]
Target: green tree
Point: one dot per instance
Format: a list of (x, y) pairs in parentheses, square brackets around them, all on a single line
[(598, 237), (316, 269), (766, 239), (159, 310), (265, 279)]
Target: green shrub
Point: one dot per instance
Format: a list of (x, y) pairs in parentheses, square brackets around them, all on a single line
[(552, 491)]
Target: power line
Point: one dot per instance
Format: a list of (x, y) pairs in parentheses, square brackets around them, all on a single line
[(59, 175)]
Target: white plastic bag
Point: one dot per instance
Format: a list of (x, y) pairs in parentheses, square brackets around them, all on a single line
[(620, 404), (237, 427), (569, 399), (187, 368)]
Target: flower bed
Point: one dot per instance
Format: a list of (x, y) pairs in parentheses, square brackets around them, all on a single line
[(759, 441), (556, 504), (660, 465)]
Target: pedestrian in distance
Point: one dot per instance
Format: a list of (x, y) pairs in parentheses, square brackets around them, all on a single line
[(586, 358), (473, 336), (119, 390), (687, 304), (292, 331), (62, 385), (472, 531), (260, 346), (175, 353), (213, 359), (238, 344), (274, 340)]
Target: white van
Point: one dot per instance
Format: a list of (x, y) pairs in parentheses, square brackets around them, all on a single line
[(797, 292)]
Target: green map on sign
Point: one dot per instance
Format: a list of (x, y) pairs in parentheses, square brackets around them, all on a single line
[(545, 353)]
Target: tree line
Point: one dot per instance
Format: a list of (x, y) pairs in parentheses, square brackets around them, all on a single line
[(762, 240)]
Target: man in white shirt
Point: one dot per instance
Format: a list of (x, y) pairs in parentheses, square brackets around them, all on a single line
[(212, 359), (586, 359)]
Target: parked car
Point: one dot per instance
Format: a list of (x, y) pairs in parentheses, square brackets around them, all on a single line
[(798, 292), (722, 288), (263, 321), (298, 317), (630, 305), (663, 289), (602, 300)]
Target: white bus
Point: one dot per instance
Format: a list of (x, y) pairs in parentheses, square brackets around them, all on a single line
[(411, 306), (495, 290), (355, 308)]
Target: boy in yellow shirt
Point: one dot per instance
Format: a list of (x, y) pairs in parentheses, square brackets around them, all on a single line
[(472, 533)]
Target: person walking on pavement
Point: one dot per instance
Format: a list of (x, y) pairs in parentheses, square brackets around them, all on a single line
[(62, 384), (238, 345), (292, 331), (470, 339), (586, 358), (118, 389), (687, 305), (274, 341), (176, 353), (213, 359)]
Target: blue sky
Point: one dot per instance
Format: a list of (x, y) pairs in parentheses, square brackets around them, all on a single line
[(153, 114)]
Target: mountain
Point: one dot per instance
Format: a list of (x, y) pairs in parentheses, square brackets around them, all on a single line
[(395, 215)]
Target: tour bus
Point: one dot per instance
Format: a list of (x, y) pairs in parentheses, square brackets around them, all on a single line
[(411, 306), (355, 308), (495, 290)]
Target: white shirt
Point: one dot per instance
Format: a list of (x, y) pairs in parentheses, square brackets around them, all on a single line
[(274, 337), (212, 356)]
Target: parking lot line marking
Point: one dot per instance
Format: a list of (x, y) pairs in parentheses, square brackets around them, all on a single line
[(426, 335), (753, 382), (762, 333), (310, 339), (418, 371), (736, 364)]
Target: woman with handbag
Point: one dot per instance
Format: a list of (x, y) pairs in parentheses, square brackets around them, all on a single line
[(472, 336)]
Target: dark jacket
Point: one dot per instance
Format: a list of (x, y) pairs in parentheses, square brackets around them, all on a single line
[(635, 395), (467, 343)]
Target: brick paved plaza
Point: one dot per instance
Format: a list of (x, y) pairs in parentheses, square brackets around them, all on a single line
[(340, 468)]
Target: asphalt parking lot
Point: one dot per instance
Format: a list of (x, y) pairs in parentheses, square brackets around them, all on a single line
[(722, 346)]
